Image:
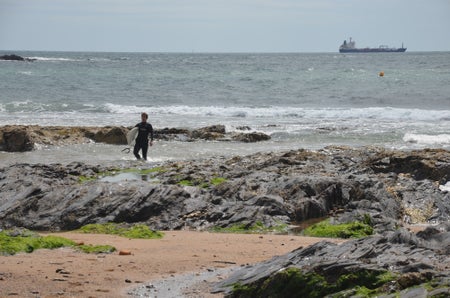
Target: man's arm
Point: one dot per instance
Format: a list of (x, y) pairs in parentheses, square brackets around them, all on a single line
[(151, 134)]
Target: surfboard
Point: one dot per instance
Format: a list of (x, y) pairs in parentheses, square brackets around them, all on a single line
[(131, 136)]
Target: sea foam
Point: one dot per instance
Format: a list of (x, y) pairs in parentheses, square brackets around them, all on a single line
[(53, 59), (288, 112), (443, 139), (445, 187)]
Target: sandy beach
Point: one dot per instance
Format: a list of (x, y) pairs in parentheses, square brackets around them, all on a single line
[(69, 273)]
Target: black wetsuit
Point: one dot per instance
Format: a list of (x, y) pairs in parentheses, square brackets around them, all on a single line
[(145, 129)]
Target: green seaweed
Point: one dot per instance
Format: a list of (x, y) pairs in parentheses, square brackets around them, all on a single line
[(186, 183), (218, 180), (292, 280), (356, 229), (256, 228), (201, 183), (96, 249), (23, 240), (137, 231)]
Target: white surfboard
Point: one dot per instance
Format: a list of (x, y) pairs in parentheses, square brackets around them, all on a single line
[(131, 136)]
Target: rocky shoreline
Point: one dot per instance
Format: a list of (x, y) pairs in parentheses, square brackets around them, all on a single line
[(21, 138), (276, 190)]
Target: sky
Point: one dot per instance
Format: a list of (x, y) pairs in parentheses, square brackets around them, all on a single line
[(222, 25)]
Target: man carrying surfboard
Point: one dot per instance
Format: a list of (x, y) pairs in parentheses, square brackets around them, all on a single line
[(144, 130)]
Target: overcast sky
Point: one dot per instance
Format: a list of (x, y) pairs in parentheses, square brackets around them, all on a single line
[(222, 25)]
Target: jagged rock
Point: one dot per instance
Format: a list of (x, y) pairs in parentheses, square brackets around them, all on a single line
[(16, 139), (208, 133), (414, 263), (419, 164), (270, 188), (111, 135), (245, 127), (169, 134), (65, 135), (251, 137)]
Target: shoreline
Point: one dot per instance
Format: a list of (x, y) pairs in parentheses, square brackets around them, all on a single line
[(65, 272), (22, 138), (391, 188)]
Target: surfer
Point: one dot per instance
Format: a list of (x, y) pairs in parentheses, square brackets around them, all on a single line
[(145, 129)]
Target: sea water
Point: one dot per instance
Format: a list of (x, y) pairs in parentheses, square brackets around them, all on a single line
[(302, 100)]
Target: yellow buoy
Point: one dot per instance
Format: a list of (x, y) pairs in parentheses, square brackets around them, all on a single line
[(381, 74)]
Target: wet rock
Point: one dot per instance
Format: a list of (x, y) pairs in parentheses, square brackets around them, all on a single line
[(14, 57), (251, 137), (169, 134), (376, 254), (271, 188), (423, 164), (24, 138), (16, 139), (341, 183), (111, 135)]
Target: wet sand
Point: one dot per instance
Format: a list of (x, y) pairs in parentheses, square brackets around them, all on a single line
[(154, 266)]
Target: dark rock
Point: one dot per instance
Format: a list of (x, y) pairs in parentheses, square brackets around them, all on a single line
[(169, 134), (331, 261), (251, 137), (208, 133), (270, 188), (111, 135), (64, 135), (425, 164), (14, 57), (16, 140), (245, 127), (290, 187)]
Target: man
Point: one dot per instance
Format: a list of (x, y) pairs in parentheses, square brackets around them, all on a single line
[(142, 142)]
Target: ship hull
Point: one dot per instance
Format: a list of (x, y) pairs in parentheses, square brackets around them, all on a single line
[(373, 50)]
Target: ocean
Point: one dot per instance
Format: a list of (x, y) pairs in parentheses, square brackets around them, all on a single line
[(302, 100)]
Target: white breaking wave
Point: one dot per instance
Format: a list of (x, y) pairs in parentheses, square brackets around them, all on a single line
[(445, 187), (63, 59), (53, 59), (427, 139), (290, 112)]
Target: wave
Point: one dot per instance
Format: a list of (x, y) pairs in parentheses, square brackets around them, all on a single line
[(248, 112), (425, 139), (92, 59), (445, 187), (53, 59), (289, 112), (28, 106)]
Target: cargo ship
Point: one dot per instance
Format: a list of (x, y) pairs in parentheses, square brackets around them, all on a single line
[(349, 47)]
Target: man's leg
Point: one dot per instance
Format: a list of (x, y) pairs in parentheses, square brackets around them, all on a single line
[(136, 151), (144, 150)]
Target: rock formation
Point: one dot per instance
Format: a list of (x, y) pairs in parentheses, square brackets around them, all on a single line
[(271, 188), (19, 138), (390, 188), (14, 57), (414, 265)]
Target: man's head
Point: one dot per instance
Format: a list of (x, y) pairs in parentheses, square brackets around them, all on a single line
[(144, 117)]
